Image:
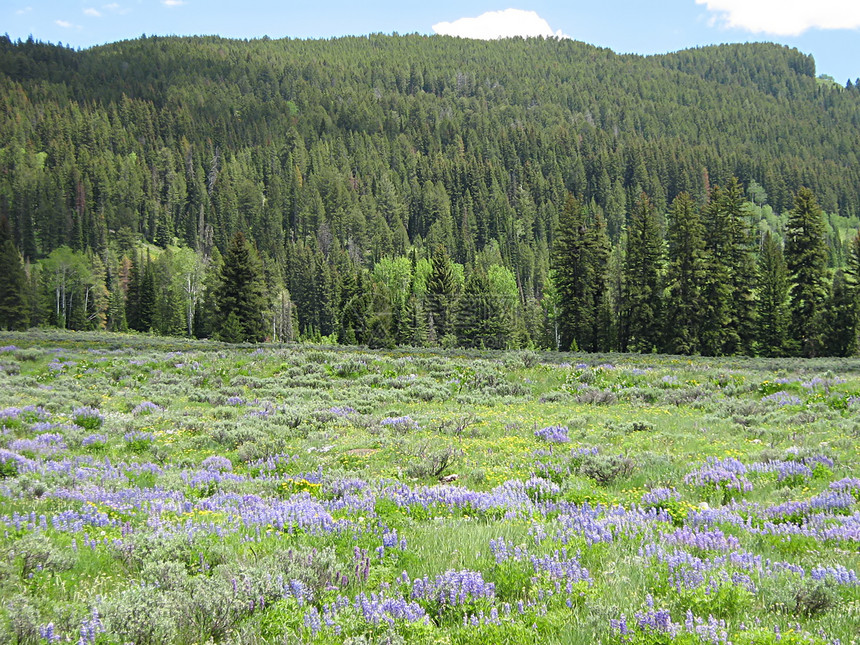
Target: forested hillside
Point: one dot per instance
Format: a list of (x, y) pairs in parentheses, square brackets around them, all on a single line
[(422, 190)]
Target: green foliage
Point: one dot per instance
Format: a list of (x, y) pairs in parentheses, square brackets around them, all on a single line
[(241, 297), (685, 276), (642, 299), (580, 263), (773, 298), (806, 261), (357, 161), (14, 309)]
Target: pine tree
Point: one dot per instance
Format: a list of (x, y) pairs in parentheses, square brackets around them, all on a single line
[(283, 320), (772, 298), (642, 307), (579, 263), (852, 280), (242, 293), (354, 311), (380, 323), (839, 337), (132, 299), (572, 276), (742, 270), (684, 276), (806, 257), (14, 309), (441, 292), (715, 326), (146, 298), (206, 313), (728, 302), (482, 318)]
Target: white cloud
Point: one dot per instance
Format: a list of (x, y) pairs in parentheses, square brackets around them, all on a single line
[(785, 17), (21, 12), (95, 13), (114, 7), (65, 24), (172, 3), (499, 24)]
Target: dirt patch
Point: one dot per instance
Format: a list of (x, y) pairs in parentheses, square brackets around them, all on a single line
[(362, 452)]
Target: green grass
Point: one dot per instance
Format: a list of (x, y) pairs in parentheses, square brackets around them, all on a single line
[(476, 416)]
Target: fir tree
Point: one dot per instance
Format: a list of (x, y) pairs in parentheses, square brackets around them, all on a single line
[(642, 284), (14, 309), (579, 263), (715, 326), (742, 270), (684, 276), (806, 257), (852, 280), (482, 319), (728, 303), (146, 298), (242, 293), (354, 311), (838, 317), (380, 323), (206, 314), (772, 298), (441, 292)]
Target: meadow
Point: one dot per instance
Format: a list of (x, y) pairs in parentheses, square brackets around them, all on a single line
[(156, 490)]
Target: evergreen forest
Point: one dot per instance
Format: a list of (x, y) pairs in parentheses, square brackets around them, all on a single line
[(432, 191)]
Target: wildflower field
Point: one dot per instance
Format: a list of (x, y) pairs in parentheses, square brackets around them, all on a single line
[(156, 490)]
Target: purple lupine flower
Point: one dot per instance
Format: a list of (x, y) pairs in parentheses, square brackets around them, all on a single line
[(726, 475), (553, 434), (87, 417), (656, 496), (453, 588), (342, 411), (217, 463), (401, 424), (792, 471), (47, 633), (837, 574), (10, 417), (138, 437), (657, 620), (146, 407), (783, 398), (93, 440)]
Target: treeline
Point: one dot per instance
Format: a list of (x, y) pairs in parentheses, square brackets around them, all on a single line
[(356, 165), (701, 280)]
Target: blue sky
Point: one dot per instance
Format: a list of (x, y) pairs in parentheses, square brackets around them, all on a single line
[(828, 29)]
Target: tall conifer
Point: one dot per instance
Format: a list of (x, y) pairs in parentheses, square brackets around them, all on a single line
[(684, 276), (441, 292), (14, 310), (806, 257), (642, 308), (773, 315), (242, 296)]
